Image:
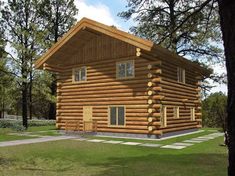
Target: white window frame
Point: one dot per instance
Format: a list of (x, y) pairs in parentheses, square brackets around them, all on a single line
[(109, 115), (125, 62), (79, 69), (181, 75)]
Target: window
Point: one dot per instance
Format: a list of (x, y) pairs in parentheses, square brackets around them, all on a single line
[(125, 69), (192, 112), (117, 116), (164, 116), (79, 74), (181, 75), (176, 112)]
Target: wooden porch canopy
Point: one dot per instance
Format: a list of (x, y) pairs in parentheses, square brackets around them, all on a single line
[(86, 29)]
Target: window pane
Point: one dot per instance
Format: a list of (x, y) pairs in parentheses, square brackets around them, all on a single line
[(121, 116), (129, 69), (121, 70), (83, 74), (76, 75), (113, 116)]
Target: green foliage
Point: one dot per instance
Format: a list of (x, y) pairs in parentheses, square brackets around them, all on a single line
[(214, 110), (13, 124), (178, 25), (17, 124)]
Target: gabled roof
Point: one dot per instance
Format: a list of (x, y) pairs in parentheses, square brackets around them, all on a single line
[(91, 26)]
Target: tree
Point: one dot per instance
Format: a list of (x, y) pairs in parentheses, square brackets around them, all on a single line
[(214, 111), (58, 16), (174, 25), (227, 25), (227, 22), (22, 26)]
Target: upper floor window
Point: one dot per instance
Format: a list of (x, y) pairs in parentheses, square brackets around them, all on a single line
[(125, 69), (79, 74), (181, 75)]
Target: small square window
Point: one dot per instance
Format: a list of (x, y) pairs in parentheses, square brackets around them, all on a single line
[(117, 116), (125, 69), (181, 75), (79, 74)]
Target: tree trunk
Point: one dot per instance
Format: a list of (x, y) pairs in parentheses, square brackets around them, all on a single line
[(52, 110), (24, 105), (227, 20), (30, 91)]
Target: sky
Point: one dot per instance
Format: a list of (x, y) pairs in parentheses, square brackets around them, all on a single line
[(105, 11)]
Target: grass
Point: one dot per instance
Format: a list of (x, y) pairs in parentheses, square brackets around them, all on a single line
[(77, 158), (48, 131)]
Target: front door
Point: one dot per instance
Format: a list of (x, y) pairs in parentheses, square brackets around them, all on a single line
[(87, 118)]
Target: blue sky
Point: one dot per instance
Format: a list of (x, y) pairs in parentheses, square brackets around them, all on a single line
[(105, 11)]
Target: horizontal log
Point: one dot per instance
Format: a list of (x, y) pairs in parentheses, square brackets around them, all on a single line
[(156, 80), (158, 97)]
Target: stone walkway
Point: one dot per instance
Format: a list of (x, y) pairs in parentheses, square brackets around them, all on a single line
[(36, 140), (177, 145)]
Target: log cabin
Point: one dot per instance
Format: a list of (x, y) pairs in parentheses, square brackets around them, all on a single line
[(115, 83)]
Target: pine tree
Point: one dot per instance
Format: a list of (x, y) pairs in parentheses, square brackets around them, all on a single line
[(21, 23), (59, 17), (174, 25)]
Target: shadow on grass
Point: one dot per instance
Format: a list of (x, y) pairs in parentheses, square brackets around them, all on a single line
[(165, 165)]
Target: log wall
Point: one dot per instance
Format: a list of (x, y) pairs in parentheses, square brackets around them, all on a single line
[(154, 86)]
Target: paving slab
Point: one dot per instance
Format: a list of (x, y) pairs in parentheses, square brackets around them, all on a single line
[(178, 147), (200, 139), (192, 141), (36, 140), (206, 137), (96, 140), (150, 145), (131, 143), (182, 144), (80, 139), (112, 142)]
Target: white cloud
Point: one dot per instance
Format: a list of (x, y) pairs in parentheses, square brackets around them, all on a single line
[(98, 12)]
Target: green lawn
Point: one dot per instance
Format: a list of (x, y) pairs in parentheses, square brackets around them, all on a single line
[(5, 136), (80, 158)]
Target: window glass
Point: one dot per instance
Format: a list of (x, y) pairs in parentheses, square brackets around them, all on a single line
[(125, 69), (181, 75), (121, 115), (121, 70), (113, 116), (129, 69), (77, 75), (83, 74)]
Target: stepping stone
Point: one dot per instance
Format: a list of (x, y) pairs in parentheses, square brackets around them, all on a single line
[(206, 137), (80, 139), (198, 139), (131, 143), (112, 142), (216, 134), (178, 147), (95, 140), (150, 145), (193, 141), (182, 144)]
